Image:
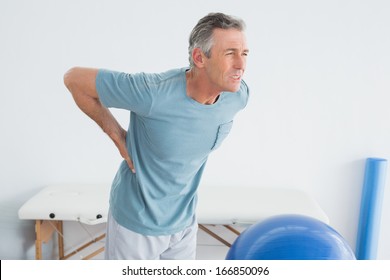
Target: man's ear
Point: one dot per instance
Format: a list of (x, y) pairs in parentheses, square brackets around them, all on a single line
[(198, 57)]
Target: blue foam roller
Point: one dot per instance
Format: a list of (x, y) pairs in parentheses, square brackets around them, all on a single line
[(370, 209)]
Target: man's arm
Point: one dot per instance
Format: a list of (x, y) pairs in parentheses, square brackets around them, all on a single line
[(81, 82)]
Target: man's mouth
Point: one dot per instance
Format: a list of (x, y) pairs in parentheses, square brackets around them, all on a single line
[(236, 77)]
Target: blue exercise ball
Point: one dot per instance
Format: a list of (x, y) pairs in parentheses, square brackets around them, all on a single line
[(290, 237)]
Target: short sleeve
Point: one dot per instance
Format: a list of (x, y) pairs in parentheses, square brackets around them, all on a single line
[(124, 91)]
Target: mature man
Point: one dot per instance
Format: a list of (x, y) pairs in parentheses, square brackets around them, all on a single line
[(176, 119)]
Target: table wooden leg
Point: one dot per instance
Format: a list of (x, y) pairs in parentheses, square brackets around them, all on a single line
[(38, 240), (44, 231), (232, 229), (60, 234), (216, 236)]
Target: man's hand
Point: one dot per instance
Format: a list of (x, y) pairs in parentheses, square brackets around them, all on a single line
[(119, 139)]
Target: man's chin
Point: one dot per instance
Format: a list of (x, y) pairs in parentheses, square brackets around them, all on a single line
[(233, 89)]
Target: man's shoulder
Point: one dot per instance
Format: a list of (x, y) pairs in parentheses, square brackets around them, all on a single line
[(169, 75)]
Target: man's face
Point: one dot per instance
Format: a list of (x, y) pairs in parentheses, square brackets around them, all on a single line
[(227, 61)]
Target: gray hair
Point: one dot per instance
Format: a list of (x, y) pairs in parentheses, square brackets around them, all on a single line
[(202, 34)]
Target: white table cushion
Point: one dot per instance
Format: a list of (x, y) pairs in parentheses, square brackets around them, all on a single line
[(244, 205), (68, 203), (216, 205)]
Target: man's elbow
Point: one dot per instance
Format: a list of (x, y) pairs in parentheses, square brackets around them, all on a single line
[(70, 77), (81, 82)]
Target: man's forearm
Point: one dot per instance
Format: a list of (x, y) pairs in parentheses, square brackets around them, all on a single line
[(97, 112), (81, 82)]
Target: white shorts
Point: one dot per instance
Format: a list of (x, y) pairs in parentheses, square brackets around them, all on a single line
[(124, 244)]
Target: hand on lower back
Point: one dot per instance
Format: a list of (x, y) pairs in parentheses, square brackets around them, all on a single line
[(119, 139)]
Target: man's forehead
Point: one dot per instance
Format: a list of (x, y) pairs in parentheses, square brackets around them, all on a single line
[(233, 39)]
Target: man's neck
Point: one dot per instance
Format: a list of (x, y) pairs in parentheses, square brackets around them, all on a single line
[(199, 89)]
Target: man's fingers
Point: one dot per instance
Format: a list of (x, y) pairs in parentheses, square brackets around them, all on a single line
[(130, 164), (121, 145), (125, 154)]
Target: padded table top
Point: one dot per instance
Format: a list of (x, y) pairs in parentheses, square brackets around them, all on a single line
[(216, 205), (244, 205)]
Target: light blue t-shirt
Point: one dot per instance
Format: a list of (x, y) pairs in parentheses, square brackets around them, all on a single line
[(169, 138)]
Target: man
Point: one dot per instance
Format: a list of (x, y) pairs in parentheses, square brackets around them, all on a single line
[(176, 119)]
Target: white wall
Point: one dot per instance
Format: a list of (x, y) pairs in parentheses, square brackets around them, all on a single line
[(319, 77)]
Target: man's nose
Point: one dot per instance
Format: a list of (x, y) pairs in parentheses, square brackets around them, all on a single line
[(240, 62)]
